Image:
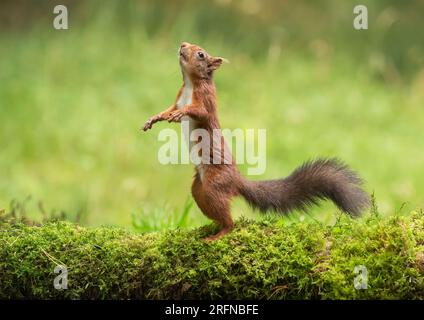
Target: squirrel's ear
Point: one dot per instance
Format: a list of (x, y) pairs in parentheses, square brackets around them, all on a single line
[(215, 62)]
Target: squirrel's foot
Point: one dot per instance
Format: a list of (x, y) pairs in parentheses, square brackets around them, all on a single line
[(219, 235)]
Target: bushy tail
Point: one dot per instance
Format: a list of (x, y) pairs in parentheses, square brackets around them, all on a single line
[(311, 182)]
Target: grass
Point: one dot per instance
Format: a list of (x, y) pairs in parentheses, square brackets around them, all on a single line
[(163, 218), (259, 260), (71, 104)]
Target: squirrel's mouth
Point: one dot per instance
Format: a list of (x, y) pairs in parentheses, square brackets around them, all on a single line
[(182, 55)]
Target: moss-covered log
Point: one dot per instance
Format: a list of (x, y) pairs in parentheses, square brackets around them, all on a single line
[(259, 260)]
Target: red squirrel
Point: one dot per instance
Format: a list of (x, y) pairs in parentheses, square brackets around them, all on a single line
[(214, 185)]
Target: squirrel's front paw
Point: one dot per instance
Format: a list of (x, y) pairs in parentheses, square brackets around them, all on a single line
[(149, 123), (175, 116)]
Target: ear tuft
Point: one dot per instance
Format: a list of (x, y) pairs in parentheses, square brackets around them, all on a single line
[(220, 60), (216, 62)]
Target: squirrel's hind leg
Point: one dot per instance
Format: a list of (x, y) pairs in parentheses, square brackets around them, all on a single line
[(215, 205)]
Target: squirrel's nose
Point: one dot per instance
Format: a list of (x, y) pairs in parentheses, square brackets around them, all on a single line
[(184, 44)]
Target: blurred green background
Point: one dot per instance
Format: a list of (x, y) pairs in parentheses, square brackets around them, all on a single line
[(72, 101)]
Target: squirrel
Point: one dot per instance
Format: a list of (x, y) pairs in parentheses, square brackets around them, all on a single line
[(214, 185)]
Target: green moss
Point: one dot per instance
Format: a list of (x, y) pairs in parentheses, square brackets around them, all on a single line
[(259, 260)]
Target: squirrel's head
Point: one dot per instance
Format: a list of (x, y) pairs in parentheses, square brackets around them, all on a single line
[(196, 62)]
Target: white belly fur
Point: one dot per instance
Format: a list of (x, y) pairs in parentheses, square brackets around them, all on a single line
[(186, 98)]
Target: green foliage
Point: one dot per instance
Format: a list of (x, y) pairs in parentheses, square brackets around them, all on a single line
[(259, 260)]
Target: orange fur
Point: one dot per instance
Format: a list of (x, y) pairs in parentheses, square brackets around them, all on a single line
[(214, 192)]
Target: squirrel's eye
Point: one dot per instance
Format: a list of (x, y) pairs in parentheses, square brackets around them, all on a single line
[(200, 54)]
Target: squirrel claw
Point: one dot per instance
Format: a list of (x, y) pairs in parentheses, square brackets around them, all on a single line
[(148, 125), (219, 235)]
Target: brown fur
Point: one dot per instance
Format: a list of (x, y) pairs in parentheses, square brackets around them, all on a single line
[(321, 179)]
